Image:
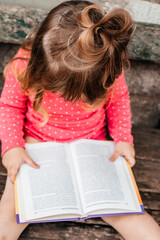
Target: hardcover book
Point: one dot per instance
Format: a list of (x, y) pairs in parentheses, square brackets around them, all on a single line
[(75, 181)]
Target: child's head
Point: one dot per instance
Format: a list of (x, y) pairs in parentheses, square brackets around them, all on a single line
[(79, 50)]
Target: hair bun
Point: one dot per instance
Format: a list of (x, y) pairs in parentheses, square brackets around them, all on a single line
[(90, 15), (103, 33), (116, 23), (90, 42)]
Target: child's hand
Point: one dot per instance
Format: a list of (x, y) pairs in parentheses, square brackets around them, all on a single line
[(126, 150), (13, 158)]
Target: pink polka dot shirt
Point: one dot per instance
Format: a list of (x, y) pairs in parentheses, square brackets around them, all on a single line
[(67, 121)]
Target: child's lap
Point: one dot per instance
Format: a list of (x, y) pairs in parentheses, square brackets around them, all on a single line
[(29, 139)]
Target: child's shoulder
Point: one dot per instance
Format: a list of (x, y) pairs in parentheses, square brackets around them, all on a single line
[(20, 60), (23, 53)]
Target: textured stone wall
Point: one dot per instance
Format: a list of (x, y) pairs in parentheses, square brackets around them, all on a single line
[(143, 79)]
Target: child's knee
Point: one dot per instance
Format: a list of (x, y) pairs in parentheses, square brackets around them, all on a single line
[(3, 237), (7, 212), (9, 229), (6, 218), (5, 223)]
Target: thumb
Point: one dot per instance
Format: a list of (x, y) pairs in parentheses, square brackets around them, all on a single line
[(132, 161), (30, 162), (115, 156)]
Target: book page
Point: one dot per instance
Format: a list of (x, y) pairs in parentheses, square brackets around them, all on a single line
[(103, 183), (49, 190)]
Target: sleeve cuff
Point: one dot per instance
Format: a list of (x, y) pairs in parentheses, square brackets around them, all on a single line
[(125, 139), (5, 147)]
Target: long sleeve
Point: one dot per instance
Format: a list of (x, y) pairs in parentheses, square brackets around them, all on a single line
[(119, 113), (12, 112)]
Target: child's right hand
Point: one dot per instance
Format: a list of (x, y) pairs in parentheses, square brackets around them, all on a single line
[(12, 160)]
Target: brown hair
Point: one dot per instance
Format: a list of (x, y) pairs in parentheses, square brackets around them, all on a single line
[(78, 50)]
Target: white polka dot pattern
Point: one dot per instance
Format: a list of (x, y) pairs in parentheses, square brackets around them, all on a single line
[(67, 121), (119, 113)]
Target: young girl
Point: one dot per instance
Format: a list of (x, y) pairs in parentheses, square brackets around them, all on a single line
[(62, 85)]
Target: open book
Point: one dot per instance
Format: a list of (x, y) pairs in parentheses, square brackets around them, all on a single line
[(75, 181)]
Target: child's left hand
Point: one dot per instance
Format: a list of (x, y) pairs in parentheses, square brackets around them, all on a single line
[(126, 150)]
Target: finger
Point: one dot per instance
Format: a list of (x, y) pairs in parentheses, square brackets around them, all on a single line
[(12, 172), (115, 156), (31, 163), (12, 179), (132, 161)]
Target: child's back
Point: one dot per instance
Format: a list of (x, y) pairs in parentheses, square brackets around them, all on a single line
[(67, 121)]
